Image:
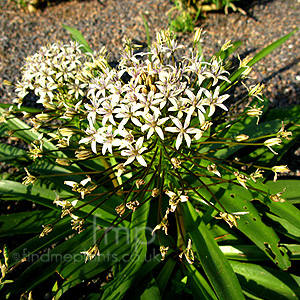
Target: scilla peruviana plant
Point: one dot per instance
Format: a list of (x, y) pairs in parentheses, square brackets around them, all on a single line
[(154, 169)]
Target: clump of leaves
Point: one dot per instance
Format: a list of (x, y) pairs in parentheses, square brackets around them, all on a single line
[(148, 179), (188, 12)]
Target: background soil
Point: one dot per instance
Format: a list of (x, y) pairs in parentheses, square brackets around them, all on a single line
[(106, 22)]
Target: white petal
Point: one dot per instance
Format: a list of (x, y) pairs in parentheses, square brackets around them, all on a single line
[(187, 139), (150, 132), (136, 122), (177, 122), (139, 142), (178, 141), (129, 160), (141, 160), (94, 146), (159, 132), (172, 129), (212, 109)]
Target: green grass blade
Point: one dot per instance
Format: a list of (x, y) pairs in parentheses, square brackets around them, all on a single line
[(235, 75)]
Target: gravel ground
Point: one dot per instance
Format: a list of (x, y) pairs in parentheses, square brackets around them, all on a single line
[(105, 23)]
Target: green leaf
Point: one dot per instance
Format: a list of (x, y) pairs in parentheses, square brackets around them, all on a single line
[(253, 253), (8, 152), (235, 76), (113, 248), (283, 226), (146, 290), (26, 222), (24, 132), (292, 192), (117, 288), (198, 284), (164, 275), (77, 36), (266, 51), (60, 232), (234, 199), (45, 266), (267, 283), (285, 210), (213, 261)]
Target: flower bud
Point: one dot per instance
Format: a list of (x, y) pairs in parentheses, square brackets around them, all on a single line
[(63, 162), (242, 137)]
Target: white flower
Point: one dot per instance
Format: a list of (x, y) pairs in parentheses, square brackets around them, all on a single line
[(216, 72), (107, 110), (213, 100), (92, 110), (93, 137), (135, 153), (149, 102), (152, 123), (195, 102), (109, 140), (183, 131), (126, 112)]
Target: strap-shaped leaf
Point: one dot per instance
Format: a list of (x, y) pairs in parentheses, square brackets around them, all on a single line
[(77, 36), (113, 248), (267, 283), (234, 77), (117, 288), (292, 192), (26, 222), (103, 215), (26, 133), (198, 284), (235, 198), (213, 261), (165, 273), (47, 263), (8, 152)]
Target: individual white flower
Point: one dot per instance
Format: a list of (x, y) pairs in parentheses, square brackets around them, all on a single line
[(76, 88), (153, 123), (107, 110), (135, 153), (127, 140), (93, 137), (92, 109), (183, 131), (109, 140), (216, 72), (97, 87), (126, 112), (195, 102), (172, 48), (116, 90), (149, 102), (179, 105), (213, 100)]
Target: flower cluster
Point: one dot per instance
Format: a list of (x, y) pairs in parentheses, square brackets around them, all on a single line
[(150, 116)]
